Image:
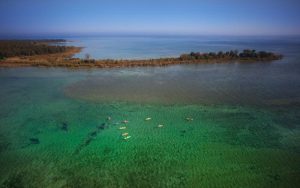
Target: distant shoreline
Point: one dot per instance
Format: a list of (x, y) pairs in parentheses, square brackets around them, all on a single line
[(42, 53)]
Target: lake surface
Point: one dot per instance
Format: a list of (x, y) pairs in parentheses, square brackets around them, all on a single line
[(224, 125)]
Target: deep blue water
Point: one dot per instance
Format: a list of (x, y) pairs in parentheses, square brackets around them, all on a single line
[(155, 47)]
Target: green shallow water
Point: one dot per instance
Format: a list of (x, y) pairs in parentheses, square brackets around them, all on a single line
[(53, 134)]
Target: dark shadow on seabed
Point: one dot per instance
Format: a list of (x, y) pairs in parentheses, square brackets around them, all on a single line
[(228, 125)]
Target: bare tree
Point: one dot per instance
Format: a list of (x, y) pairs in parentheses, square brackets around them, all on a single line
[(87, 56)]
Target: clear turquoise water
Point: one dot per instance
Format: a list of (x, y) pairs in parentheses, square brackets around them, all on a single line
[(55, 131)]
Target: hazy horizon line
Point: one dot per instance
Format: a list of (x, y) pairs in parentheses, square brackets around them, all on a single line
[(133, 34)]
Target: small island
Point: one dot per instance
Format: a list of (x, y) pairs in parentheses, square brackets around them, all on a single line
[(53, 53)]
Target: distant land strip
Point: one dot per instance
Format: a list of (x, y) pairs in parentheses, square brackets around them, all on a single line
[(53, 53)]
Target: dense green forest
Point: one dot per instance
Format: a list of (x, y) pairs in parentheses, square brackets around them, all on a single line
[(12, 48)]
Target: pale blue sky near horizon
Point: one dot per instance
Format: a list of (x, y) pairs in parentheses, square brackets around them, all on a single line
[(165, 17)]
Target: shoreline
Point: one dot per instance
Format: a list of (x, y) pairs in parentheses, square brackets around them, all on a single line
[(65, 59), (79, 63)]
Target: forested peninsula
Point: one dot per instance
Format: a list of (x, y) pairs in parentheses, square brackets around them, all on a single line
[(54, 53)]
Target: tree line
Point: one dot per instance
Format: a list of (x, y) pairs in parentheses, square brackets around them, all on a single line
[(12, 48), (233, 54)]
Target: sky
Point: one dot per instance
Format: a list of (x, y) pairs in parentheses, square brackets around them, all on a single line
[(165, 17)]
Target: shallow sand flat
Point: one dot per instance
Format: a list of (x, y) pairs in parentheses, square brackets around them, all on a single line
[(212, 144)]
